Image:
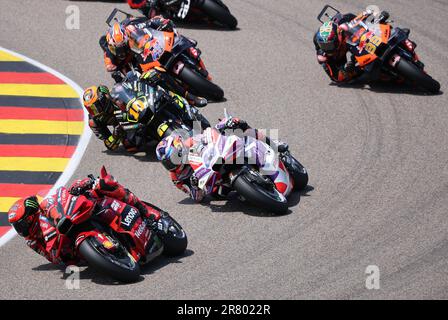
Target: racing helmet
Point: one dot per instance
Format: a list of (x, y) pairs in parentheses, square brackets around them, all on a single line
[(327, 37), (170, 151), (24, 215), (137, 4), (117, 40), (97, 101)]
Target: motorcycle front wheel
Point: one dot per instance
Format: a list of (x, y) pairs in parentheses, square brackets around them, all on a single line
[(175, 240), (118, 265), (219, 13), (299, 174), (201, 86), (417, 76), (270, 199)]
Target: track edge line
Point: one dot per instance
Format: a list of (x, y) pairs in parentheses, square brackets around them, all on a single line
[(82, 143)]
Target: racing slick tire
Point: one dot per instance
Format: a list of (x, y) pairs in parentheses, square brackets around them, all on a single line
[(201, 86), (219, 13), (124, 269), (175, 242), (416, 75), (269, 200), (299, 174)]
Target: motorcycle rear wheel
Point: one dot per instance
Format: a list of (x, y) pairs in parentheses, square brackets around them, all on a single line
[(219, 13), (122, 268), (414, 74), (201, 86), (270, 200)]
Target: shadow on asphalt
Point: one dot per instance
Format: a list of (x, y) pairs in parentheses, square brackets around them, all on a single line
[(101, 279), (179, 23), (384, 87), (147, 154), (233, 204)]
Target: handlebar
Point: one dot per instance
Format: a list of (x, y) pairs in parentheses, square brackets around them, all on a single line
[(324, 13), (114, 13)]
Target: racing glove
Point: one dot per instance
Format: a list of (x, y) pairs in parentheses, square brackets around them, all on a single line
[(80, 186), (200, 102), (232, 123), (152, 77), (166, 25), (194, 181), (195, 101)]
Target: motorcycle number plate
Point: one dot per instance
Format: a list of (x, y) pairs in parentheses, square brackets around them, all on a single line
[(369, 43)]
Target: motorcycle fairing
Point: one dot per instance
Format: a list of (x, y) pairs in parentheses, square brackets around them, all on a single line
[(232, 149)]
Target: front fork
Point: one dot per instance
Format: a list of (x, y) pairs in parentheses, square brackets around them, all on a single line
[(195, 54)]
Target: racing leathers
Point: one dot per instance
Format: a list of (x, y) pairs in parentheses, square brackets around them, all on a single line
[(45, 241), (336, 65), (135, 30), (139, 33), (100, 127)]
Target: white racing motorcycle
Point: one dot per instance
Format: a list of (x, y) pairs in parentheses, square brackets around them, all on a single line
[(248, 166)]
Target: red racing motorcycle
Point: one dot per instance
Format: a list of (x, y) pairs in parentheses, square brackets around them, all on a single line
[(111, 236)]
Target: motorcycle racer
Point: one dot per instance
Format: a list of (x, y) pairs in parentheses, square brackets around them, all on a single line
[(124, 48), (32, 219), (331, 49), (101, 109), (105, 112), (330, 43), (122, 38), (172, 152)]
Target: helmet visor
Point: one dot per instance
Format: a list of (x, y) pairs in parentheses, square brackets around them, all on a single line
[(169, 165), (121, 52), (23, 226)]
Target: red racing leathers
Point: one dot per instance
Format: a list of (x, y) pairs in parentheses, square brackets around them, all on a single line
[(45, 239)]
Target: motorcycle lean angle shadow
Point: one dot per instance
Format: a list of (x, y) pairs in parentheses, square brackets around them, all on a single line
[(192, 14)]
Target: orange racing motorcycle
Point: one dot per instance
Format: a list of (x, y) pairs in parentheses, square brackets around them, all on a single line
[(175, 53), (382, 51)]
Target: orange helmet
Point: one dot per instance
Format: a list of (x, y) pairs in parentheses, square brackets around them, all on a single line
[(24, 215), (117, 40)]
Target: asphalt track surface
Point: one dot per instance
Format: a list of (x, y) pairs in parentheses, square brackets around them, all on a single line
[(378, 162)]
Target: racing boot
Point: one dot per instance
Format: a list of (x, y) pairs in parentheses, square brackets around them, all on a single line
[(198, 102), (221, 193)]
